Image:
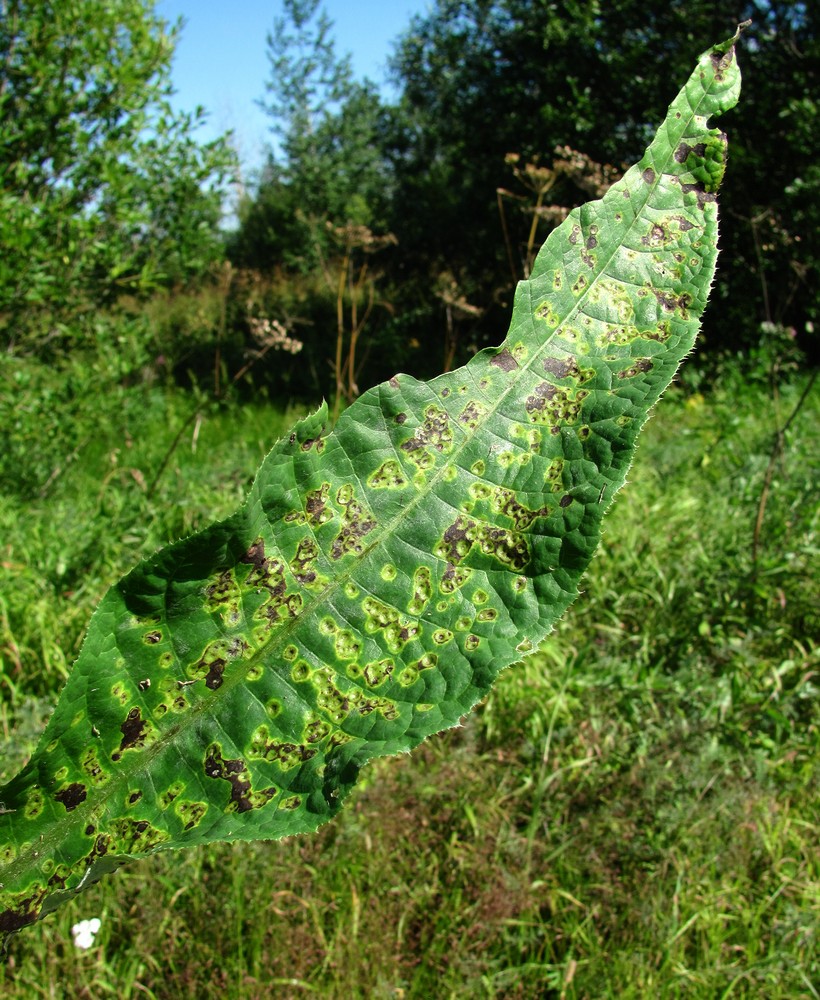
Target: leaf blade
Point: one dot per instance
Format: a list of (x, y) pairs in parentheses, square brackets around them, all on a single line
[(381, 575)]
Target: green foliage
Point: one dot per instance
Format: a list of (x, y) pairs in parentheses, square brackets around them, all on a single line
[(426, 167), (104, 189), (328, 165), (380, 576)]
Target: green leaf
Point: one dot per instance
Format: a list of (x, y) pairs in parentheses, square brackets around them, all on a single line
[(380, 575)]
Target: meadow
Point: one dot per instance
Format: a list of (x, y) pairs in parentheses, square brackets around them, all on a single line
[(633, 811)]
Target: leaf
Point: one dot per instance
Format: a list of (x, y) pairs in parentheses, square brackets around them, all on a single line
[(379, 576)]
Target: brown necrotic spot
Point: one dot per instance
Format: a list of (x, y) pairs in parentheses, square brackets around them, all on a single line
[(562, 369), (648, 176), (267, 572), (134, 732), (472, 414), (135, 836), (72, 795), (504, 360), (457, 540), (509, 547), (435, 433), (551, 404), (356, 523), (454, 578), (318, 443), (721, 62), (316, 505), (255, 555), (639, 367), (683, 151), (670, 302), (286, 755), (505, 502), (213, 679), (243, 798), (34, 803), (152, 638), (302, 563), (703, 195), (422, 590), (389, 475), (377, 671)]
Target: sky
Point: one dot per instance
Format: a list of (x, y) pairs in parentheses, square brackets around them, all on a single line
[(221, 60)]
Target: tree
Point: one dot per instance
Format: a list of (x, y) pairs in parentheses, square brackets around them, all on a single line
[(104, 189), (327, 164), (483, 78)]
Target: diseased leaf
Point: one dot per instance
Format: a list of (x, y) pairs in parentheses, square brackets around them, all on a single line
[(380, 575)]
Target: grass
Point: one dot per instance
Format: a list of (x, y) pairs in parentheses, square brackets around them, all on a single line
[(633, 812)]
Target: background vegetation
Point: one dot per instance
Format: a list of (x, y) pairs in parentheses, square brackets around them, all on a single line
[(634, 811)]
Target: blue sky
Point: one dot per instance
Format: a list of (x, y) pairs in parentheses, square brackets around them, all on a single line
[(221, 62)]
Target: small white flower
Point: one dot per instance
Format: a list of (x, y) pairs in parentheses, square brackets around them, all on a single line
[(84, 933)]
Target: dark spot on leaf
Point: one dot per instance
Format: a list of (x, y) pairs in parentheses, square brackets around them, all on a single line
[(670, 303), (255, 555), (316, 505), (100, 848), (457, 539), (286, 755), (471, 414), (26, 912), (649, 175), (400, 418), (213, 679), (357, 522), (235, 772), (721, 62), (702, 193), (504, 360), (317, 442), (435, 432), (134, 797), (592, 242), (562, 369), (71, 796), (565, 500), (640, 366), (133, 733), (152, 637), (657, 234), (683, 151)]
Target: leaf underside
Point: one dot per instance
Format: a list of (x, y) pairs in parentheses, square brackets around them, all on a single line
[(380, 575)]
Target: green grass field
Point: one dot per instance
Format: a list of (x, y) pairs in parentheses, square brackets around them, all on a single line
[(633, 812)]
